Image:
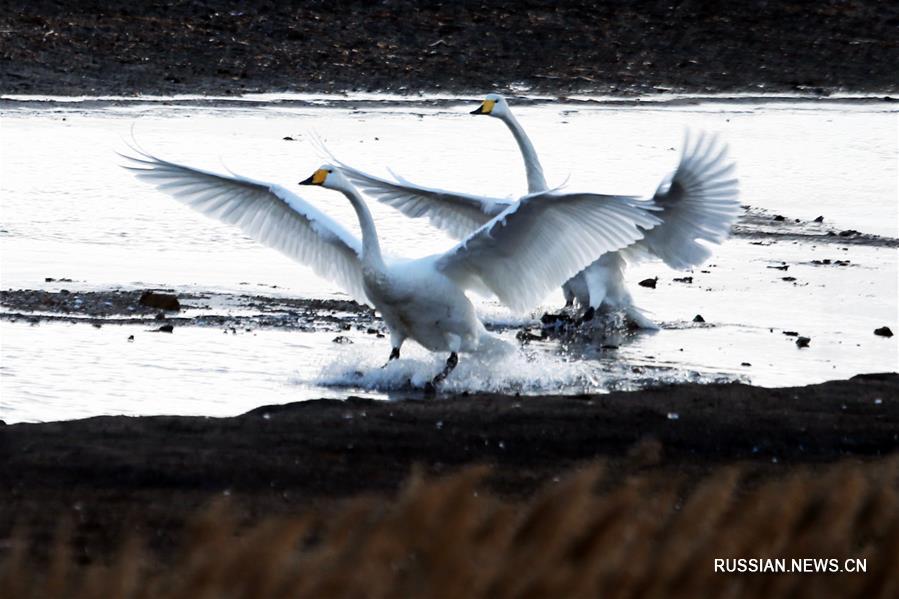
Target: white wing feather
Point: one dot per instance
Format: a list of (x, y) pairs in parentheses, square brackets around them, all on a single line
[(268, 213), (456, 213), (540, 242), (699, 203)]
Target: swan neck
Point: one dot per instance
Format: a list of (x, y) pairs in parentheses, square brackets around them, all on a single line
[(371, 247), (536, 181)]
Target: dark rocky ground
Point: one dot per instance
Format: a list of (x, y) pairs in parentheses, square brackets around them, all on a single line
[(111, 476), (213, 46)]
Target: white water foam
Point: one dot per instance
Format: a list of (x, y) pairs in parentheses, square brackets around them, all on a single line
[(520, 370)]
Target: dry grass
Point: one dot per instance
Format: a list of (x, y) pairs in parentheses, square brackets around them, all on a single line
[(448, 538)]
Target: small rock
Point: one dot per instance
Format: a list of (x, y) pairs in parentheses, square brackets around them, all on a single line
[(371, 331), (791, 333), (288, 138), (788, 279), (745, 364), (849, 233), (96, 325), (683, 279), (555, 319), (781, 267), (166, 328), (883, 332), (525, 336), (778, 218), (130, 337), (802, 342), (698, 318), (342, 339), (163, 301), (819, 219), (651, 283), (49, 279)]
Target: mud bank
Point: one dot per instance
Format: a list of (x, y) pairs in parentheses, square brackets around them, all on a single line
[(111, 475), (215, 47)]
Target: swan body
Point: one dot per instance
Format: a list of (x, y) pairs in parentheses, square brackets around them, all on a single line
[(697, 203), (417, 301), (517, 255)]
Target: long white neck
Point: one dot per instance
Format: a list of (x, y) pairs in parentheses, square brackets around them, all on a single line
[(371, 247), (532, 167)]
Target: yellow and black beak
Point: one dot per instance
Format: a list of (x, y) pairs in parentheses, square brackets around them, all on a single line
[(486, 107), (317, 178)]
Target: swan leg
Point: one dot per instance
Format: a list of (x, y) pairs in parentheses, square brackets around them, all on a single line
[(451, 363), (568, 292), (396, 342), (597, 289), (587, 316)]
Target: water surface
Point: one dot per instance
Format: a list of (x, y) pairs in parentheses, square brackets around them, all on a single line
[(68, 210)]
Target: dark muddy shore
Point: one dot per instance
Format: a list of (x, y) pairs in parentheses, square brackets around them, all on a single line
[(622, 48), (110, 476)]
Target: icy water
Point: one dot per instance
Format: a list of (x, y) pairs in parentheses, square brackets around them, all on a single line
[(69, 211)]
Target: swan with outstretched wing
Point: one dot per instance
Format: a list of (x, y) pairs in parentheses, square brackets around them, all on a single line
[(698, 204), (517, 254)]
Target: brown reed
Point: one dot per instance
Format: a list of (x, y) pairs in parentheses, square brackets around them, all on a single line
[(449, 537)]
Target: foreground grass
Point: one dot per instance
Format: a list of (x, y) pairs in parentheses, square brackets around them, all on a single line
[(578, 537)]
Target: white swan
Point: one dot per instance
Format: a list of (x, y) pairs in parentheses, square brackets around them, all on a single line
[(517, 255), (698, 202)]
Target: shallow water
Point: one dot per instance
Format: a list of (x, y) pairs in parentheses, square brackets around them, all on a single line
[(69, 211)]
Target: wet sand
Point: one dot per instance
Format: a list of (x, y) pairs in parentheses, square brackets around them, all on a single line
[(215, 47)]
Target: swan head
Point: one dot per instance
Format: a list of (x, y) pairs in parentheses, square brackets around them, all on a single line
[(330, 177), (493, 105)]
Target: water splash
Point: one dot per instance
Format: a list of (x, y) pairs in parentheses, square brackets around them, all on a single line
[(521, 371)]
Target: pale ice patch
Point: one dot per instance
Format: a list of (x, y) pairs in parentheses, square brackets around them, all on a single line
[(517, 371)]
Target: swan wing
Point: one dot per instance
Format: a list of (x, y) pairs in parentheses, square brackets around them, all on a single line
[(268, 213), (458, 214), (541, 241), (699, 203)]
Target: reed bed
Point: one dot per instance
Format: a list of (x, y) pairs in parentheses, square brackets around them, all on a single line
[(450, 537)]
